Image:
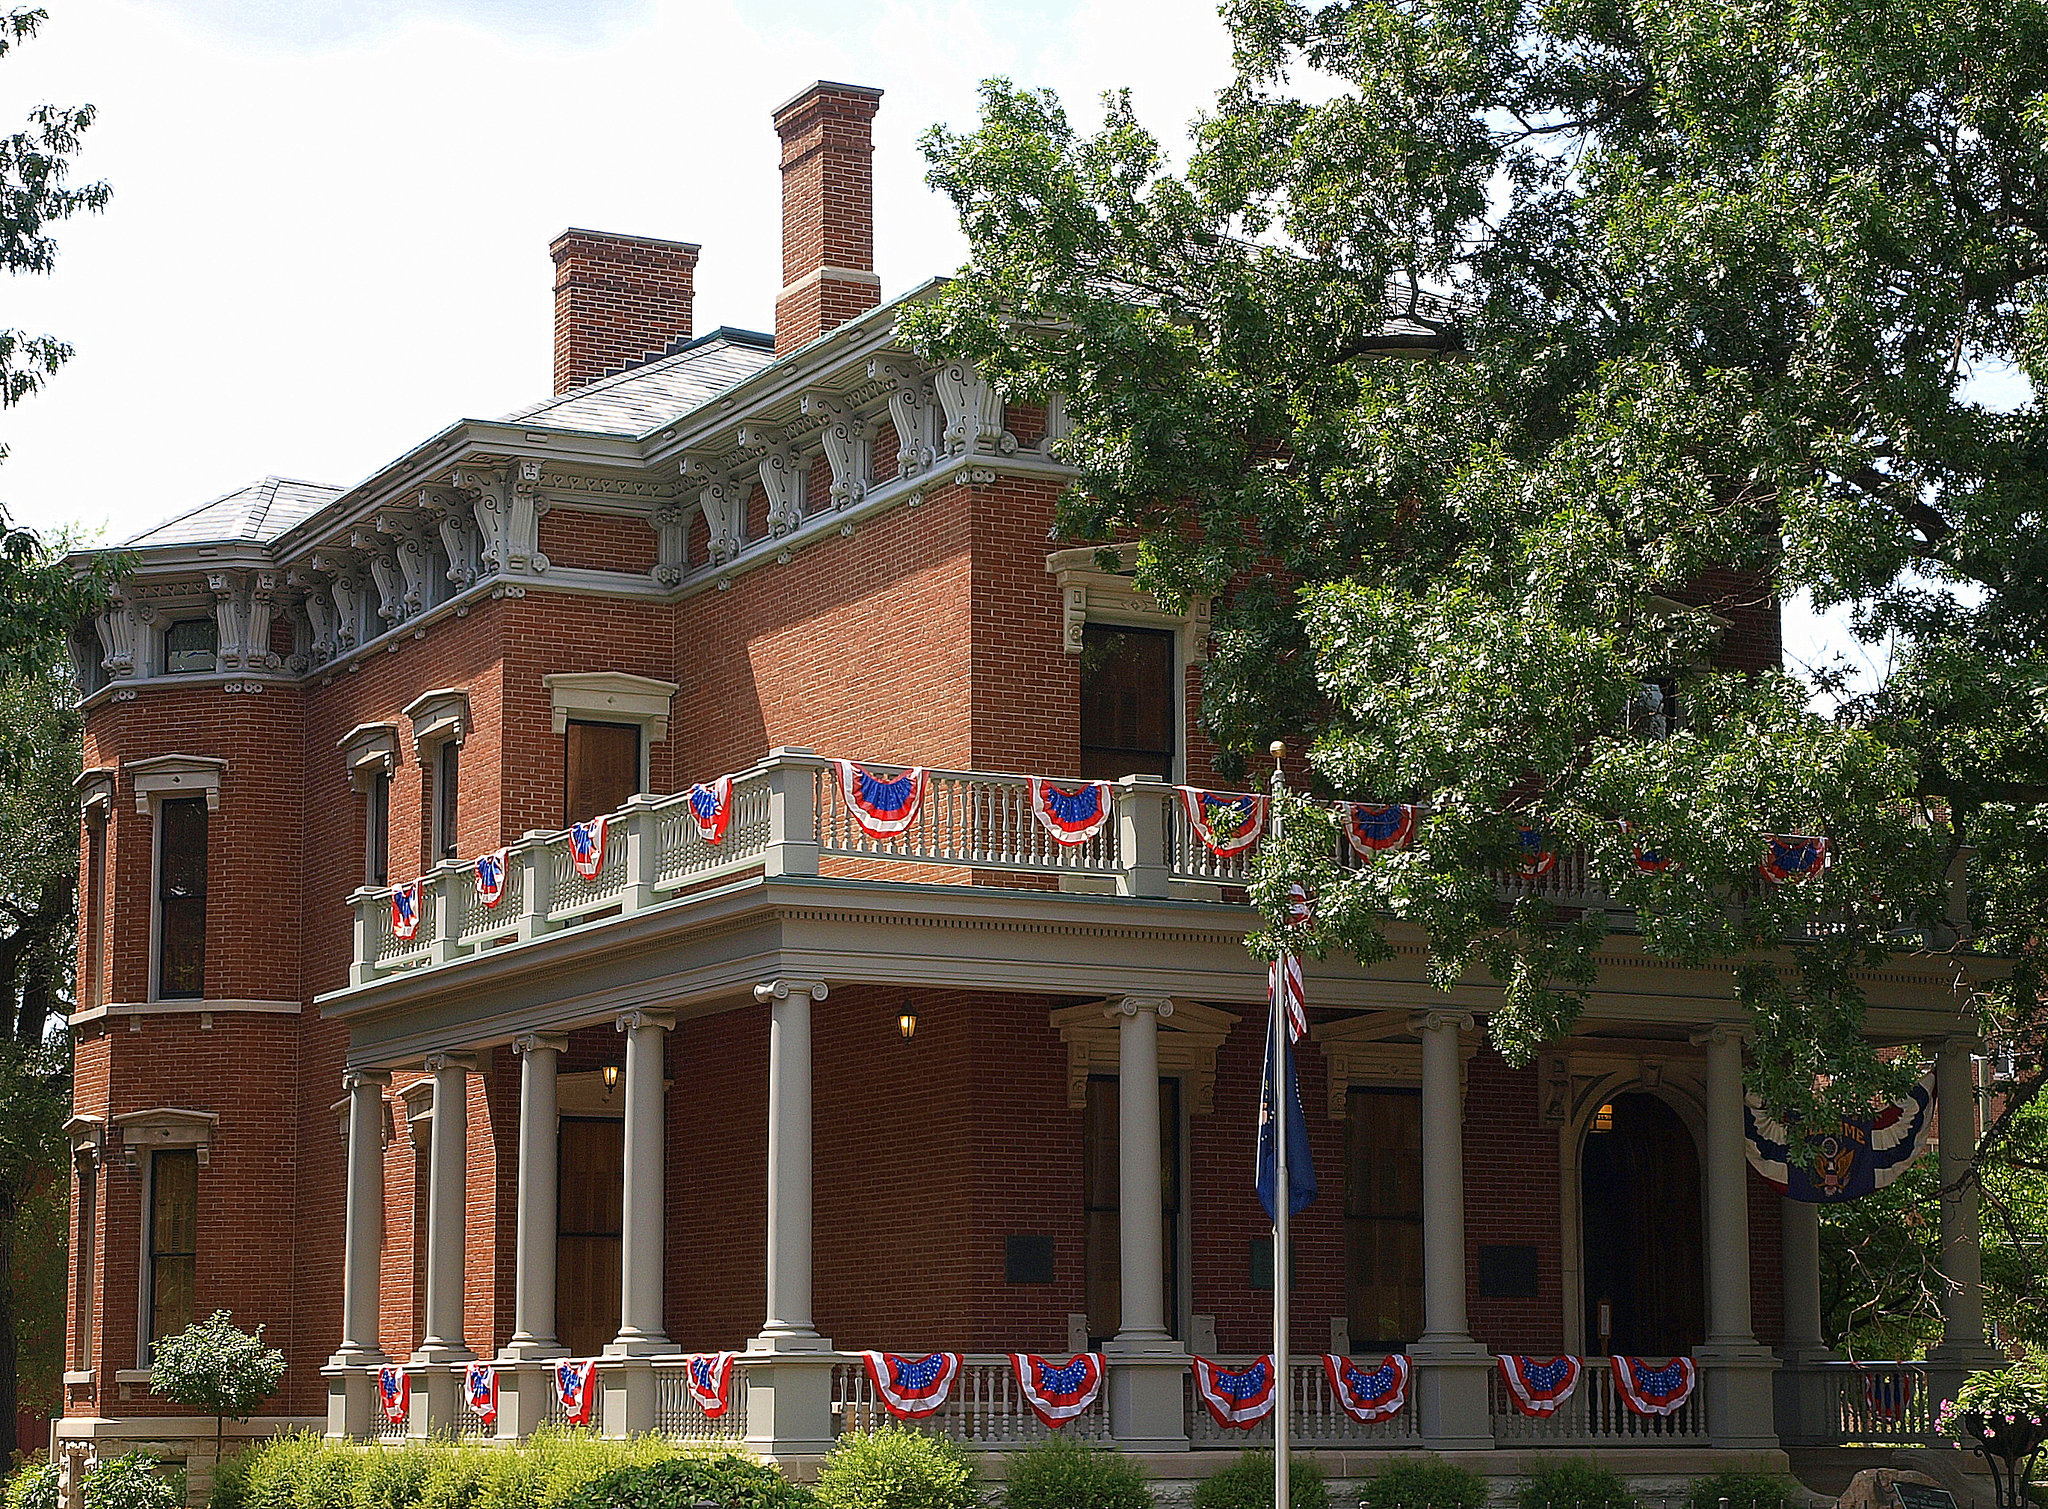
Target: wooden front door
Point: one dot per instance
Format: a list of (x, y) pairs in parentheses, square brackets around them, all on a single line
[(588, 1222), (1644, 1247)]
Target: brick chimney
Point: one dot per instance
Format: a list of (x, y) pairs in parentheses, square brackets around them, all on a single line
[(828, 211), (618, 300)]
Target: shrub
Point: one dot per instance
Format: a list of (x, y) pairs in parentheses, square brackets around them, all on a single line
[(1573, 1485), (1745, 1490), (34, 1487), (1064, 1474), (131, 1481), (300, 1471), (230, 1480), (1247, 1483), (897, 1468), (1424, 1485), (731, 1482), (391, 1477)]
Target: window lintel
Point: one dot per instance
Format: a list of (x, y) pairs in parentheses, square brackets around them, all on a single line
[(610, 697), (1377, 1049), (162, 778), (437, 716), (163, 1127), (1188, 1040), (1089, 594), (95, 788), (367, 751)]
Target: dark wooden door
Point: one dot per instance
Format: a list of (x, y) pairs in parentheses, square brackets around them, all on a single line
[(1644, 1253), (593, 1173)]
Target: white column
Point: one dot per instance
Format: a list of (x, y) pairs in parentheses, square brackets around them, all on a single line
[(363, 1223), (1734, 1369), (447, 1208), (1145, 1363), (644, 1227), (789, 1327), (533, 1283), (1805, 1395), (1963, 1349), (1141, 1217), (1451, 1369)]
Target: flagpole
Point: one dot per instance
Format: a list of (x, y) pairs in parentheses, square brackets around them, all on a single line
[(1283, 1192)]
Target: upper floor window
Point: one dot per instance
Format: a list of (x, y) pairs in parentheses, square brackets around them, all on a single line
[(181, 899), (377, 830), (447, 789), (1127, 703), (190, 644), (93, 921), (603, 768)]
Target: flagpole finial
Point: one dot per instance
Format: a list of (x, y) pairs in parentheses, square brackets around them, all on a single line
[(1279, 782)]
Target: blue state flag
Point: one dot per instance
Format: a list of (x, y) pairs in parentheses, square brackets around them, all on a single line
[(1301, 1173)]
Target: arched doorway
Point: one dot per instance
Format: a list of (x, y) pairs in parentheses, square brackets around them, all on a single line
[(1640, 1213)]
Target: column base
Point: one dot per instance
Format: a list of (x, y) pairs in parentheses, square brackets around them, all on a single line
[(1950, 1363), (432, 1351), (434, 1402), (525, 1390), (628, 1387), (1806, 1397), (352, 1398), (1147, 1393), (1453, 1411), (639, 1344), (789, 1403), (782, 1343), (532, 1349), (1735, 1382)]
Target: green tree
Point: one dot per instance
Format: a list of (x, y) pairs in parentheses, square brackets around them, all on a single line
[(217, 1368), (1541, 346)]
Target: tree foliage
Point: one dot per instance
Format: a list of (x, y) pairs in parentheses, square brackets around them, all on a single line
[(1542, 349), (217, 1368)]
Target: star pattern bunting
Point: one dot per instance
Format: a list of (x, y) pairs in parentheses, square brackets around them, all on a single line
[(480, 1390), (1071, 814), (1373, 1396), (1651, 1388), (1058, 1392), (911, 1388), (1540, 1389), (394, 1393), (1236, 1398)]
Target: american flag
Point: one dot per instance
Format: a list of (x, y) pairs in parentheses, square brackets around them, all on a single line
[(1286, 973)]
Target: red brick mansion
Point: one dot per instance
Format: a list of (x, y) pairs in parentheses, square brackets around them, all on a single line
[(811, 1059)]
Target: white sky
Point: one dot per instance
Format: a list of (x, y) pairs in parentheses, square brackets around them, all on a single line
[(329, 231)]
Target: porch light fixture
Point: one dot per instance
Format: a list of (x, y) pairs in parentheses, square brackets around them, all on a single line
[(1603, 1119), (906, 1022), (611, 1079)]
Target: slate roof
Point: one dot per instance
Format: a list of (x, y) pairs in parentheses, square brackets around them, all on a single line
[(261, 511), (639, 399)]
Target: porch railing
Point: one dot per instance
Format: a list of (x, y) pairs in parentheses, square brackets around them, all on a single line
[(678, 1414), (986, 1408), (1595, 1415), (1880, 1403), (967, 818), (1314, 1417)]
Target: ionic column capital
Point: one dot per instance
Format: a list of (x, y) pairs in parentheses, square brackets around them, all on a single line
[(1159, 1006), (1719, 1034), (630, 1021), (782, 990), (436, 1062), (1971, 1043), (353, 1079), (1442, 1019), (539, 1042)]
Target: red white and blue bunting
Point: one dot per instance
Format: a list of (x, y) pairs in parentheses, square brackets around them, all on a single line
[(1532, 857), (1236, 1398), (1058, 1392), (711, 806), (394, 1393), (586, 847), (1372, 830), (1540, 1389), (708, 1375), (405, 910), (1651, 1388), (882, 807), (1071, 814), (911, 1388), (576, 1386), (1229, 822), (1650, 861), (1791, 857), (1850, 1158), (480, 1391), (1888, 1395), (1367, 1397), (490, 876)]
